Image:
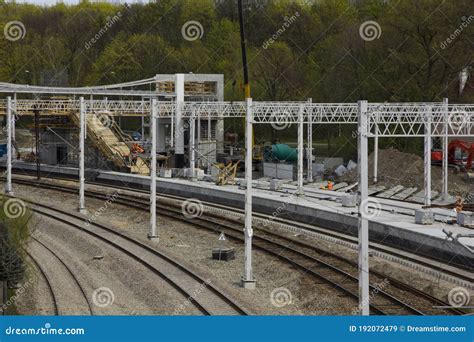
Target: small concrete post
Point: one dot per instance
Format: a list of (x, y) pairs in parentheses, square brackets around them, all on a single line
[(310, 143), (363, 233), (8, 185), (445, 149), (152, 235), (192, 153), (247, 280), (82, 137), (427, 156), (300, 190)]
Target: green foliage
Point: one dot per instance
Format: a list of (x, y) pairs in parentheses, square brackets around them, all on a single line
[(297, 49), (14, 233)]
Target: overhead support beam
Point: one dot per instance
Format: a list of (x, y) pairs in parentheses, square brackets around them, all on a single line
[(179, 129), (363, 231), (309, 157), (8, 185), (300, 151), (427, 157), (248, 281), (82, 137), (445, 144), (152, 235)]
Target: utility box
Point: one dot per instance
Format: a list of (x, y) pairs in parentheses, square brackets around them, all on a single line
[(424, 217), (165, 173), (224, 254), (275, 185), (278, 170), (349, 201), (465, 219)]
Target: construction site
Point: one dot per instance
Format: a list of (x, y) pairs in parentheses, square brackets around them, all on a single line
[(198, 184), (187, 194)]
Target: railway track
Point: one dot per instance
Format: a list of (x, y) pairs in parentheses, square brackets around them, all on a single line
[(48, 282), (67, 292), (310, 259), (201, 293)]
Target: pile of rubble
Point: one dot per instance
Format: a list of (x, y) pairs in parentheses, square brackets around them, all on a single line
[(400, 168)]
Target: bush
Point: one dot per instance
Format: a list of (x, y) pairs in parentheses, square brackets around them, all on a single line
[(14, 233)]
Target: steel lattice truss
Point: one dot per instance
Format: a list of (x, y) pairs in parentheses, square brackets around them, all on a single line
[(383, 119)]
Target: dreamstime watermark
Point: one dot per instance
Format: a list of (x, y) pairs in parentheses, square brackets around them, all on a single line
[(104, 118), (280, 122), (192, 208), (377, 287), (370, 208), (110, 199), (286, 24), (14, 30), (46, 330), (103, 297), (370, 30), (466, 21), (281, 297), (457, 120), (17, 295), (459, 297), (179, 310), (192, 30), (279, 210), (110, 21), (14, 208)]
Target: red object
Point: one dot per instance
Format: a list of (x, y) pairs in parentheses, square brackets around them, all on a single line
[(437, 156), (463, 145)]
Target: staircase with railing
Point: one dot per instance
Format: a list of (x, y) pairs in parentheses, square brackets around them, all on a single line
[(112, 142)]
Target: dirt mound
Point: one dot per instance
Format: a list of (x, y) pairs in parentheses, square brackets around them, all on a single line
[(400, 168)]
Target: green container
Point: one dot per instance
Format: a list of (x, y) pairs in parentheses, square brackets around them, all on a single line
[(284, 152)]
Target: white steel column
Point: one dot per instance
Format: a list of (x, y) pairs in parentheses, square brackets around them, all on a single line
[(82, 137), (14, 118), (445, 150), (247, 280), (300, 190), (179, 129), (8, 185), (199, 138), (309, 157), (427, 156), (363, 233), (209, 128), (376, 154), (173, 116), (152, 234), (192, 153)]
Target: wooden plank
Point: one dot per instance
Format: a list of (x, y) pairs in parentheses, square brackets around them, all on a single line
[(392, 191), (419, 197), (349, 187), (339, 186), (376, 189), (404, 194)]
